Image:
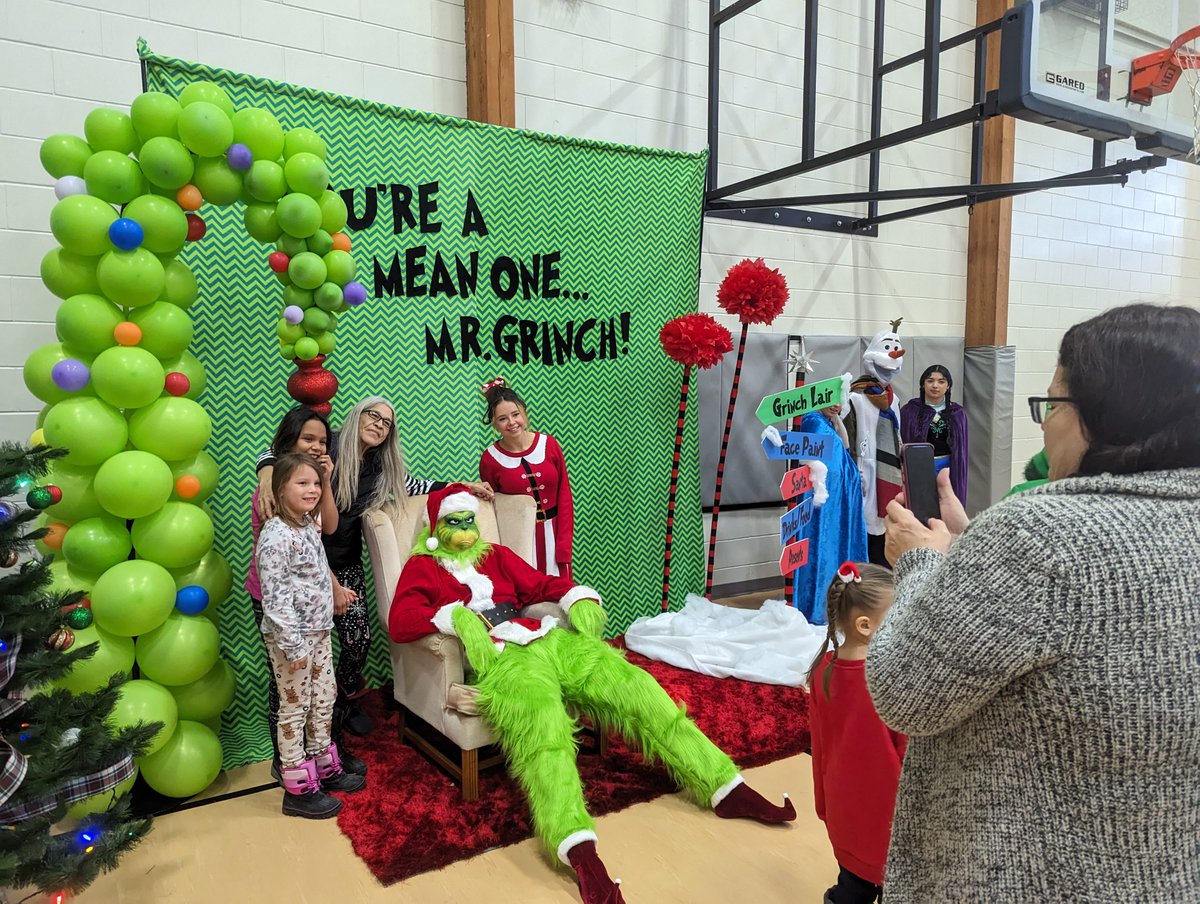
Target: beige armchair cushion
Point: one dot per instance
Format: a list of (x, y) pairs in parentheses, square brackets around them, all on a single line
[(429, 673)]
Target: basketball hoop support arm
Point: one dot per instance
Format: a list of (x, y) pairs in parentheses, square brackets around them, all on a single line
[(796, 211)]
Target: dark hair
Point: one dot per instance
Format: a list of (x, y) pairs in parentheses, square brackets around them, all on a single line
[(498, 394), (935, 369), (292, 425), (1133, 374), (875, 590), (285, 467)]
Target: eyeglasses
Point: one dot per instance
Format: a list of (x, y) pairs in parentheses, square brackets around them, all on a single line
[(388, 423), (1041, 406)]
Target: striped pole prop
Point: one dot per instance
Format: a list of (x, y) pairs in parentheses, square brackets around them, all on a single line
[(683, 395), (800, 373), (716, 508)]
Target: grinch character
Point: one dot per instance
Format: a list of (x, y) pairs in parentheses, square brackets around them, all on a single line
[(528, 668), (873, 430)]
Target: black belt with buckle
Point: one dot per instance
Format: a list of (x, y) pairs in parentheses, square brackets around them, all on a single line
[(498, 615), (547, 514)]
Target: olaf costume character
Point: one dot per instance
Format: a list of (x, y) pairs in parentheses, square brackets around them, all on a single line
[(530, 669), (873, 429)]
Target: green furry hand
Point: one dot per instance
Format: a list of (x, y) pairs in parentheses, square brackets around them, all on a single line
[(587, 617), (481, 651)]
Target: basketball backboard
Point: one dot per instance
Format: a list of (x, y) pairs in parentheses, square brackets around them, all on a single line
[(1067, 64)]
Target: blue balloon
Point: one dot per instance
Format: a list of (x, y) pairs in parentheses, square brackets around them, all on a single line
[(191, 600), (126, 234), (239, 157)]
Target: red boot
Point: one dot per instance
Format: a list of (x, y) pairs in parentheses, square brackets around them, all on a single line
[(595, 887), (743, 802)]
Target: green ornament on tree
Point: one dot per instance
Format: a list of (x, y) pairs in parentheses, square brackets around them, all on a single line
[(79, 618)]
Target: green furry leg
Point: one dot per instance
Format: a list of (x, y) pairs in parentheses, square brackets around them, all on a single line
[(620, 696), (521, 697)]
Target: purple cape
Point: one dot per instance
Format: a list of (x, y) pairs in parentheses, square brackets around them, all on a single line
[(915, 418)]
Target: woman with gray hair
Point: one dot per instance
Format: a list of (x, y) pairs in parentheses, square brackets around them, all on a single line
[(1045, 659), (368, 473)]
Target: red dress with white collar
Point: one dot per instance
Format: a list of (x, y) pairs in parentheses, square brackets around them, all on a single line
[(541, 472)]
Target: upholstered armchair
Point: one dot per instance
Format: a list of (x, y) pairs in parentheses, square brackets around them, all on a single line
[(429, 673)]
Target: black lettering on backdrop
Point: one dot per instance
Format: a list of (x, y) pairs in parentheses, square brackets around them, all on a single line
[(520, 340)]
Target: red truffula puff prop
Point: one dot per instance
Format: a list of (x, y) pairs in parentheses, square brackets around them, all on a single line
[(694, 340), (755, 293)]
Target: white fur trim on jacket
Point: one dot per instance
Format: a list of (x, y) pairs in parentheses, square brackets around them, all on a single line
[(480, 584), (564, 846), (845, 409), (818, 475), (723, 792), (457, 502), (515, 632), (443, 619), (575, 594), (771, 432)]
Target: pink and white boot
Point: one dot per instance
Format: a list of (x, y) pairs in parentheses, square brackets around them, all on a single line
[(303, 795), (333, 776)]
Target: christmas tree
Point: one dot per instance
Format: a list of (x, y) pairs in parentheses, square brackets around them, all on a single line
[(56, 748)]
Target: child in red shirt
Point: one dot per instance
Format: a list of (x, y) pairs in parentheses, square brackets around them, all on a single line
[(856, 758)]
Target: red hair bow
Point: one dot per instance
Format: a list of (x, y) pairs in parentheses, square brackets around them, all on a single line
[(848, 573), (492, 384)]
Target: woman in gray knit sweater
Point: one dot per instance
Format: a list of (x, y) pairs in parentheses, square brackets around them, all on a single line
[(1045, 661)]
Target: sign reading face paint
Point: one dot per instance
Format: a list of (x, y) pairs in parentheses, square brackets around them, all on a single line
[(805, 446)]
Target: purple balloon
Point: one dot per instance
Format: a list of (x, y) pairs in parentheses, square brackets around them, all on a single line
[(239, 157), (293, 313), (70, 375), (354, 293)]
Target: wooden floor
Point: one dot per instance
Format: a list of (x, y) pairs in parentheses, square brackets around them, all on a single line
[(666, 851)]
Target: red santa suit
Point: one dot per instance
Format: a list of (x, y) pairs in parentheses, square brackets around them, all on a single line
[(541, 472), (431, 585)]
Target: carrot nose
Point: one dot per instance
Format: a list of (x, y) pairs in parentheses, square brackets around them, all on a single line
[(898, 353)]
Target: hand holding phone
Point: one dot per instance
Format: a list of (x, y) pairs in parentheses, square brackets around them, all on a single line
[(920, 481)]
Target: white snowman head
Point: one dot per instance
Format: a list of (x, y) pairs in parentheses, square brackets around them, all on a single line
[(885, 354)]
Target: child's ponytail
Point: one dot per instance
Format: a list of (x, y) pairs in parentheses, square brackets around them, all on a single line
[(863, 587)]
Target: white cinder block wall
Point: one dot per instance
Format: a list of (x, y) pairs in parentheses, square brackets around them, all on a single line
[(634, 71)]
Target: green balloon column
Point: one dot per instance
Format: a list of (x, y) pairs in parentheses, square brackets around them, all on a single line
[(127, 517)]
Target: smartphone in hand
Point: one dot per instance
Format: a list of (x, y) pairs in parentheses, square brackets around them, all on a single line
[(920, 481)]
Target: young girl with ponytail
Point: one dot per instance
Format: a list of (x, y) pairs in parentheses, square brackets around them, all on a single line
[(856, 758)]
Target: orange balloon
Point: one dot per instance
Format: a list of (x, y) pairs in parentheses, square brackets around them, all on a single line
[(341, 241), (127, 333), (187, 486), (54, 535), (189, 197)]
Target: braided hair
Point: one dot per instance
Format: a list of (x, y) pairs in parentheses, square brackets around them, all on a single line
[(872, 591)]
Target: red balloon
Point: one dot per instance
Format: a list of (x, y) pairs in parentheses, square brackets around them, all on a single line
[(196, 228), (177, 384), (278, 261)]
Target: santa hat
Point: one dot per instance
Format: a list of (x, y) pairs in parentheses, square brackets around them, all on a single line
[(455, 498)]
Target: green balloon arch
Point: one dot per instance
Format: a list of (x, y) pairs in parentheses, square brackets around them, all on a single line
[(121, 389)]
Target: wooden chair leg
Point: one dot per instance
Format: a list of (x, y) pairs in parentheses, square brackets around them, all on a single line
[(470, 775), (400, 722)]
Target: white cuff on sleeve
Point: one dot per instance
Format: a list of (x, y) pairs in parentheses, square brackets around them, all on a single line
[(575, 594), (564, 847), (443, 619)]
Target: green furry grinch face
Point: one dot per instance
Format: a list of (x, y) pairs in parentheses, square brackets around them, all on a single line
[(457, 532)]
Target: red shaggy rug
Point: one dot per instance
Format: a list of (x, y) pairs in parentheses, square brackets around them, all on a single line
[(410, 818)]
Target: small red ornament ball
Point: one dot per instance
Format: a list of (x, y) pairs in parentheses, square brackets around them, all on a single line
[(177, 384), (60, 640), (55, 493), (278, 261), (196, 227)]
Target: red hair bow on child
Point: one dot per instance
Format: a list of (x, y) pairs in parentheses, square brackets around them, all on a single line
[(492, 384), (848, 573)]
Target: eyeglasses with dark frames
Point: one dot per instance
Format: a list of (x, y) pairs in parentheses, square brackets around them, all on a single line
[(378, 418), (1041, 406)]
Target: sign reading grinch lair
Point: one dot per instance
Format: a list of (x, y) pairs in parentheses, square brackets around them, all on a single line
[(485, 252)]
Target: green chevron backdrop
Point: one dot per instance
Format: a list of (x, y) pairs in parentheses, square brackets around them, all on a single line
[(486, 252)]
